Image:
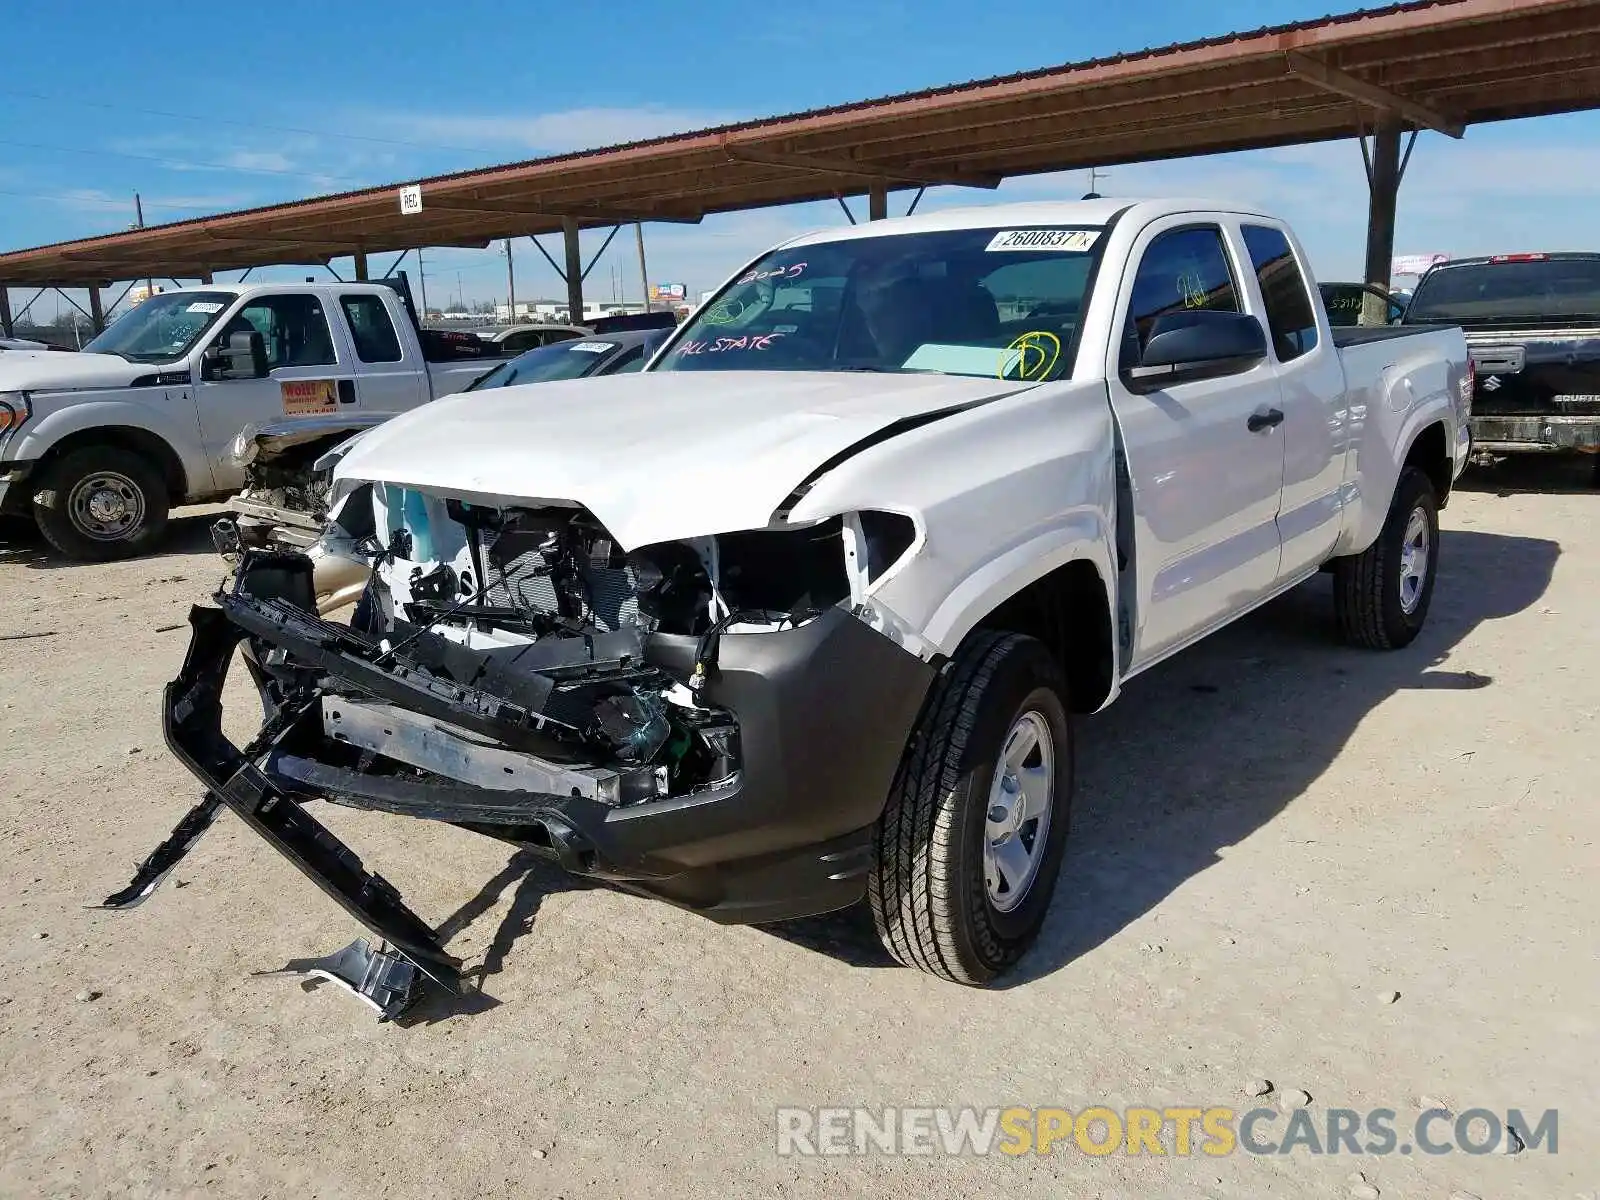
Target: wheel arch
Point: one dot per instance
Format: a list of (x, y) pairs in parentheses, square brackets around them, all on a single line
[(1069, 610), (1429, 452), (150, 446)]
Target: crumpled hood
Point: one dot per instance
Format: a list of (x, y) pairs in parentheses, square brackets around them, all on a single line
[(53, 371), (656, 456)]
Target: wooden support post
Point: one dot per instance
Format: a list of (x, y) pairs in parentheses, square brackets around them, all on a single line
[(6, 329), (877, 201), (1383, 187), (574, 272), (97, 316), (361, 266)]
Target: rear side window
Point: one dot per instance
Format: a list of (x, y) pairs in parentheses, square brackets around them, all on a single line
[(371, 329), (1182, 270), (1289, 313)]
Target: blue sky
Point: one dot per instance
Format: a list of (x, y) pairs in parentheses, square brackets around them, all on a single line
[(204, 109)]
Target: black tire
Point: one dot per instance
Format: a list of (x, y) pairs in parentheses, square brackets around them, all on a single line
[(930, 902), (1367, 596), (132, 486)]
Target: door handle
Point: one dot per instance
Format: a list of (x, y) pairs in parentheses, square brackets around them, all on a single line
[(1267, 420), (347, 391)]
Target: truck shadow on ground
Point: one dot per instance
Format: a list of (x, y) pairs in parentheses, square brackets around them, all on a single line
[(1203, 750), (1547, 474), (21, 543), (530, 879)]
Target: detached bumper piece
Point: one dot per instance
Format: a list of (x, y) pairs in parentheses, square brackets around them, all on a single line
[(383, 979), (192, 719)]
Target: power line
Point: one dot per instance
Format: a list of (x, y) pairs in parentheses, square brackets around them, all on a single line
[(209, 120), (104, 202)]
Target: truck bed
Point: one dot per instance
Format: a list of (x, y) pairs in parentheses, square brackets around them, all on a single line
[(1357, 335)]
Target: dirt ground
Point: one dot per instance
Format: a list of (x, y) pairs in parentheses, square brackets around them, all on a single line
[(1272, 834)]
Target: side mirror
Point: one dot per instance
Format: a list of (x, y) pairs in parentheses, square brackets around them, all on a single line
[(1197, 344), (243, 356)]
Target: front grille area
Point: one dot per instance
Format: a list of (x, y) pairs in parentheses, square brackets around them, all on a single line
[(609, 592)]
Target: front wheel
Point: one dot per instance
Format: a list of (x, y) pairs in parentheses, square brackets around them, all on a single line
[(971, 840), (1381, 596), (100, 503)]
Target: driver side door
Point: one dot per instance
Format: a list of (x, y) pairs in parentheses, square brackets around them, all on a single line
[(305, 376)]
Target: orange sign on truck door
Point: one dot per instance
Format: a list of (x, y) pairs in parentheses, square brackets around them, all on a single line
[(302, 397)]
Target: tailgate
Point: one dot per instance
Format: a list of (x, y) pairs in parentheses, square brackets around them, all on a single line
[(1536, 373)]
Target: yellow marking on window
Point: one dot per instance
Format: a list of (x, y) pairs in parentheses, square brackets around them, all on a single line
[(1037, 352)]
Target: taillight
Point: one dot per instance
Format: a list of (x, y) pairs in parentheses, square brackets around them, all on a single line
[(1505, 258)]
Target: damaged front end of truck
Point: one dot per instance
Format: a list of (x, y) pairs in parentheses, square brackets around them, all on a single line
[(714, 721)]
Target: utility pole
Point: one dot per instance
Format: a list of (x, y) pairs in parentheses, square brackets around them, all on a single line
[(461, 294), (511, 286), (138, 214), (644, 272), (422, 287), (1095, 175)]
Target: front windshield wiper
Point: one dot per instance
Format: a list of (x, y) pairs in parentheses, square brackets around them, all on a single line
[(877, 370)]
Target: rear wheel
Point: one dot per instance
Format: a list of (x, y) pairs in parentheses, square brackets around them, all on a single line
[(102, 502), (971, 840), (1381, 596)]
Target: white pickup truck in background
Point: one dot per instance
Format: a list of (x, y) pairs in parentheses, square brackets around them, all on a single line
[(796, 616), (98, 445)]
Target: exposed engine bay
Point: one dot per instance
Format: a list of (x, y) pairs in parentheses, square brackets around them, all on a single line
[(543, 627)]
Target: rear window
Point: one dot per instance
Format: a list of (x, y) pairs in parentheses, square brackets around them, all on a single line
[(1523, 290), (1283, 290), (371, 329)]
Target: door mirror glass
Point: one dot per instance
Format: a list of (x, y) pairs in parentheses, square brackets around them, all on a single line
[(1198, 344), (241, 356)]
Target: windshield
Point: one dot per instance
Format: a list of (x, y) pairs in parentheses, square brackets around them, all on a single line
[(1520, 290), (1000, 303), (162, 327), (563, 360)]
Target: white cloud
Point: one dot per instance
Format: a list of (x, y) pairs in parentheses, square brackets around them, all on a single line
[(259, 160)]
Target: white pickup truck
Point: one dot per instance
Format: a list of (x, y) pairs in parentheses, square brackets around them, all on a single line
[(98, 445), (798, 615)]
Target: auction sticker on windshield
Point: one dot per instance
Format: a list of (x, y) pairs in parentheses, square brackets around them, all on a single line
[(204, 306), (302, 397), (592, 347), (1065, 241)]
